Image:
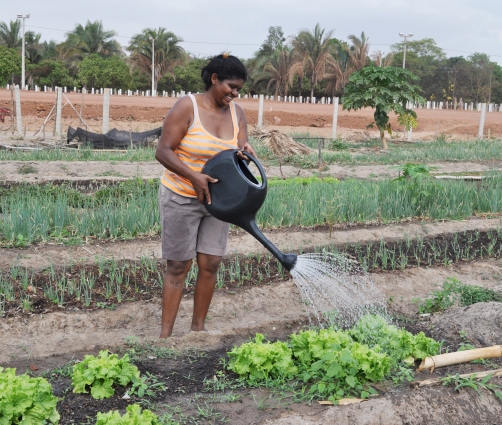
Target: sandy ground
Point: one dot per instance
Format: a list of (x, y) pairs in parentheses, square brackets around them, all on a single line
[(53, 339), (138, 113), (85, 171)]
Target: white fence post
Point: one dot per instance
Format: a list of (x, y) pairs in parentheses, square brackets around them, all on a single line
[(19, 118), (335, 117), (106, 110), (59, 101), (482, 120), (260, 111)]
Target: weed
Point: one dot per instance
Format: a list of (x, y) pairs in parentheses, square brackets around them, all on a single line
[(472, 382)]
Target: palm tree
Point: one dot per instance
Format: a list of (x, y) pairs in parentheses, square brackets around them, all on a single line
[(10, 34), (379, 59), (34, 48), (168, 53), (93, 39), (312, 48), (340, 68), (279, 71), (359, 50)]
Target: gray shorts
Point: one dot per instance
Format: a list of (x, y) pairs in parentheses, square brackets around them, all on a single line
[(188, 229)]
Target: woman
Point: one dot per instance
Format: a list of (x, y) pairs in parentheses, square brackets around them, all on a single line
[(196, 128)]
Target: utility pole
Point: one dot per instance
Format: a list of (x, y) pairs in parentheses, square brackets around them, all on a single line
[(23, 17), (404, 52), (153, 64)]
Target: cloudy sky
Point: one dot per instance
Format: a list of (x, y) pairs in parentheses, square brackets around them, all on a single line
[(460, 27)]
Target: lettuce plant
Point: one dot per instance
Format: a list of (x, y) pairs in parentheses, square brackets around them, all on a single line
[(258, 361), (133, 416), (26, 400), (100, 373)]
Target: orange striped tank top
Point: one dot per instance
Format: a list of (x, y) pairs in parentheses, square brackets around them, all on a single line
[(195, 149)]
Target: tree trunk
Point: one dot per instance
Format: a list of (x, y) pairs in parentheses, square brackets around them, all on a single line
[(382, 139)]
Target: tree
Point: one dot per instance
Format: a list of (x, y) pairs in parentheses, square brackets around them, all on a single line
[(168, 52), (385, 89), (92, 39), (9, 34), (312, 49), (424, 58), (381, 59), (340, 68), (359, 50), (279, 71), (10, 64), (98, 72), (275, 41), (51, 73), (186, 77)]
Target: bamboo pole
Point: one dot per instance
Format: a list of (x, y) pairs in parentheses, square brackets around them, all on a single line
[(79, 115), (47, 119), (460, 357), (437, 381)]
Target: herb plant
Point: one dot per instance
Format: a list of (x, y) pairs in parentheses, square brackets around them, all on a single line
[(101, 373), (26, 400)]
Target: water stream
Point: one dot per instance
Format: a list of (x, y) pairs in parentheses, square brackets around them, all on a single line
[(335, 290)]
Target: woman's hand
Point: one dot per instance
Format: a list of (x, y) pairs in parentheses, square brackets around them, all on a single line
[(245, 147), (200, 184)]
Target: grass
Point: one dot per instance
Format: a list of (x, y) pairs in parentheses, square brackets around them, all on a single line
[(129, 209), (335, 151)]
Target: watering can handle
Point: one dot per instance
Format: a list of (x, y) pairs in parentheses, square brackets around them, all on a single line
[(256, 162)]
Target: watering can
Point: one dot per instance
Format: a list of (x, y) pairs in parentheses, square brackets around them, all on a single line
[(238, 195)]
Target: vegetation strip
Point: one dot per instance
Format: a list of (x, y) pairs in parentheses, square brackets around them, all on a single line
[(108, 283), (41, 213)]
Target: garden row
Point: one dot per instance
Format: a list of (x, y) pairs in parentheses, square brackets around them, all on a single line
[(41, 213), (335, 151), (311, 364), (107, 283)]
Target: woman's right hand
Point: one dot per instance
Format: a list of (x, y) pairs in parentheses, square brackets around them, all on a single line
[(200, 184)]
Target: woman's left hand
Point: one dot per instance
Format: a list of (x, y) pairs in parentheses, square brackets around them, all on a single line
[(245, 147)]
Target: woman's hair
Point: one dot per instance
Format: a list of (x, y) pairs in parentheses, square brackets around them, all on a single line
[(226, 66)]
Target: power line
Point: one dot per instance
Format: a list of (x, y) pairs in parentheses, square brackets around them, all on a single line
[(184, 41), (251, 44)]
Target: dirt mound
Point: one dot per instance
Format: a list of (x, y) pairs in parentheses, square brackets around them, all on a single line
[(486, 316), (281, 144)]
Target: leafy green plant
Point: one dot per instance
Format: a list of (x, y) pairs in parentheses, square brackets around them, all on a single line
[(133, 416), (147, 385), (26, 400), (258, 361), (472, 382), (336, 365), (99, 374), (411, 171), (455, 292), (399, 344), (385, 89)]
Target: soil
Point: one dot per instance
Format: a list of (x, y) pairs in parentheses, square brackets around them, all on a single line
[(95, 172), (47, 338), (137, 113)]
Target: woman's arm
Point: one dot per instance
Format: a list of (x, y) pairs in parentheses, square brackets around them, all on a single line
[(175, 127), (242, 137)]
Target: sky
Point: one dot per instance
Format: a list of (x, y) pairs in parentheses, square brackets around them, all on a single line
[(459, 27)]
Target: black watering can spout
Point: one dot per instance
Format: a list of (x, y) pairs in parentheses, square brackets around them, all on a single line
[(238, 196)]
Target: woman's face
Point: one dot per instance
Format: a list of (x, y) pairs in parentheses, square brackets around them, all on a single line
[(227, 90)]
